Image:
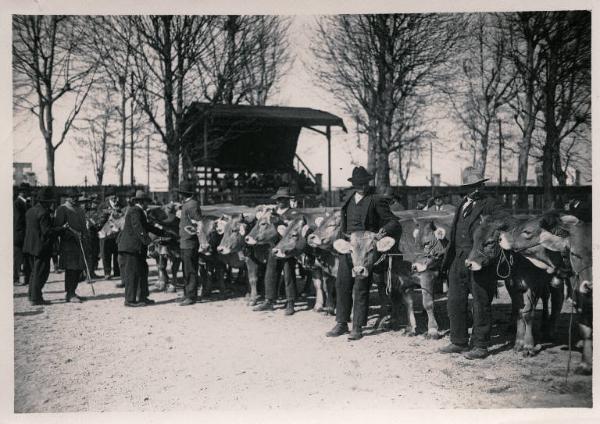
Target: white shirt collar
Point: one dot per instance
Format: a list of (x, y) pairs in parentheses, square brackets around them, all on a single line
[(22, 198), (188, 199), (358, 197), (281, 211)]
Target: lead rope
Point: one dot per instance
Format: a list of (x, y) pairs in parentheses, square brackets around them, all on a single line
[(509, 263)]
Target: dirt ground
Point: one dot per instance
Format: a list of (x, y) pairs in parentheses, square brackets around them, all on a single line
[(219, 355)]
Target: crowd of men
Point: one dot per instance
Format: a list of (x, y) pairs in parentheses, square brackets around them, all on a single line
[(41, 232)]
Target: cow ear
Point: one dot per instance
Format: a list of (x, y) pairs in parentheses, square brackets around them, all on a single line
[(385, 244), (242, 230), (248, 217), (440, 233), (342, 246), (552, 242), (305, 229), (281, 229), (569, 219), (319, 220)]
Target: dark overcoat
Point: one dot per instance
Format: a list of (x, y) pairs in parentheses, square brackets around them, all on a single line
[(39, 234), (69, 248), (378, 215)]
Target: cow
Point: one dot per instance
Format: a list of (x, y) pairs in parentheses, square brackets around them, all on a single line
[(525, 282), (401, 269), (165, 249), (572, 238)]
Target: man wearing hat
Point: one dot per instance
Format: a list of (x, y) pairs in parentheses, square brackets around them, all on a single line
[(462, 281), (133, 248), (74, 243), (37, 244), (439, 205), (362, 211), (20, 207), (188, 243), (108, 246), (284, 211)]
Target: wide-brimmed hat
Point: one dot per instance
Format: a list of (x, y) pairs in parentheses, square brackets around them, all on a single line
[(24, 187), (141, 195), (45, 195), (360, 176), (472, 177), (187, 187), (283, 193)]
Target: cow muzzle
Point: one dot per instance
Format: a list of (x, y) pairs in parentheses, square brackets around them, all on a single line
[(585, 287), (505, 241), (473, 265), (419, 267), (314, 240), (279, 253), (250, 240), (360, 272)]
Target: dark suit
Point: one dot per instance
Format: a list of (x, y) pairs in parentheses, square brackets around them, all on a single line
[(375, 214), (108, 245), (188, 243), (276, 266), (72, 258), (133, 247), (19, 225), (37, 244), (461, 281)]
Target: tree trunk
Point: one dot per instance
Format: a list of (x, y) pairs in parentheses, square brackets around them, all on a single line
[(383, 171), (123, 135), (482, 150), (50, 162), (371, 152), (173, 172)]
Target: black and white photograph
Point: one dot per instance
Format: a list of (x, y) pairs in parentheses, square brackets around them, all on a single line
[(330, 212)]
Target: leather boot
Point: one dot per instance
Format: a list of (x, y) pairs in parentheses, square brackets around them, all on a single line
[(355, 334), (476, 353), (289, 309), (339, 329), (454, 348)]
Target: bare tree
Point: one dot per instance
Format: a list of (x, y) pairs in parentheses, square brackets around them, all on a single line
[(565, 84), (380, 67), (48, 68), (483, 84)]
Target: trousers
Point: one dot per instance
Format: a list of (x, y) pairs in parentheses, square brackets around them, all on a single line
[(40, 269), (72, 279), (20, 261), (190, 258), (482, 286), (274, 268), (134, 274), (110, 261)]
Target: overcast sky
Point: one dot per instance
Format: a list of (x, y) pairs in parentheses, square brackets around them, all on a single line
[(297, 89)]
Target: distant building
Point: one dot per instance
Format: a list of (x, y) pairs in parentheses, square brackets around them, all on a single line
[(22, 173)]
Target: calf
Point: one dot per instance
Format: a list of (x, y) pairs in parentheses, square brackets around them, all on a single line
[(574, 242), (525, 282)]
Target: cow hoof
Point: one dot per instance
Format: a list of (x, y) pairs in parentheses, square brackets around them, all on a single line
[(409, 332), (433, 335), (318, 309), (583, 369), (530, 351), (253, 302)]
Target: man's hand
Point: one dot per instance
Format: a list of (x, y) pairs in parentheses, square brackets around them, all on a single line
[(381, 234)]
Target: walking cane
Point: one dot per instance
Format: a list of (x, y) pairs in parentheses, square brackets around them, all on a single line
[(87, 268)]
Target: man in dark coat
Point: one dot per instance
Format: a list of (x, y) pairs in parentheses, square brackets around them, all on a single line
[(74, 243), (20, 207), (275, 266), (92, 223), (188, 243), (462, 281), (362, 211), (108, 245), (133, 244), (37, 244)]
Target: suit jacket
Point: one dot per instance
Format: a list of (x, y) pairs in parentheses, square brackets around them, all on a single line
[(134, 238), (39, 233), (189, 210), (378, 215), (483, 206), (69, 248), (19, 222)]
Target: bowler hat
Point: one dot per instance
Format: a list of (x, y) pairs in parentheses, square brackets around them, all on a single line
[(141, 195), (45, 195), (472, 177), (187, 187), (24, 187), (360, 176), (283, 193)]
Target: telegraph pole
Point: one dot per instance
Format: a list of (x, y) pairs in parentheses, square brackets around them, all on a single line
[(499, 152), (148, 160), (131, 125), (431, 165)]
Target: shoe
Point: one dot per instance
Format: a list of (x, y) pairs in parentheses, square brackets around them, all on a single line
[(134, 304), (82, 298), (107, 277), (338, 330), (187, 301), (454, 348), (119, 285), (94, 276), (148, 301), (476, 353), (73, 299), (289, 309), (355, 334), (267, 305)]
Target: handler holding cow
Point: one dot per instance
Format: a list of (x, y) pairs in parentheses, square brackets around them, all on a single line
[(481, 284), (188, 243), (362, 212)]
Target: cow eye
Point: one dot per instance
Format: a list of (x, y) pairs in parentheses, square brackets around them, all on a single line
[(490, 242)]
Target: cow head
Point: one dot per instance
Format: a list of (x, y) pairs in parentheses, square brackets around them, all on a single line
[(485, 242), (525, 235), (431, 238), (327, 228), (112, 227), (293, 239), (206, 230), (363, 247), (234, 229), (265, 231)]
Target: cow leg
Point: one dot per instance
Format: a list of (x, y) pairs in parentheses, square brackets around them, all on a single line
[(530, 301), (519, 304), (427, 283), (407, 298), (515, 302), (319, 296), (585, 367), (557, 297), (175, 263), (163, 278), (252, 281), (329, 289)]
